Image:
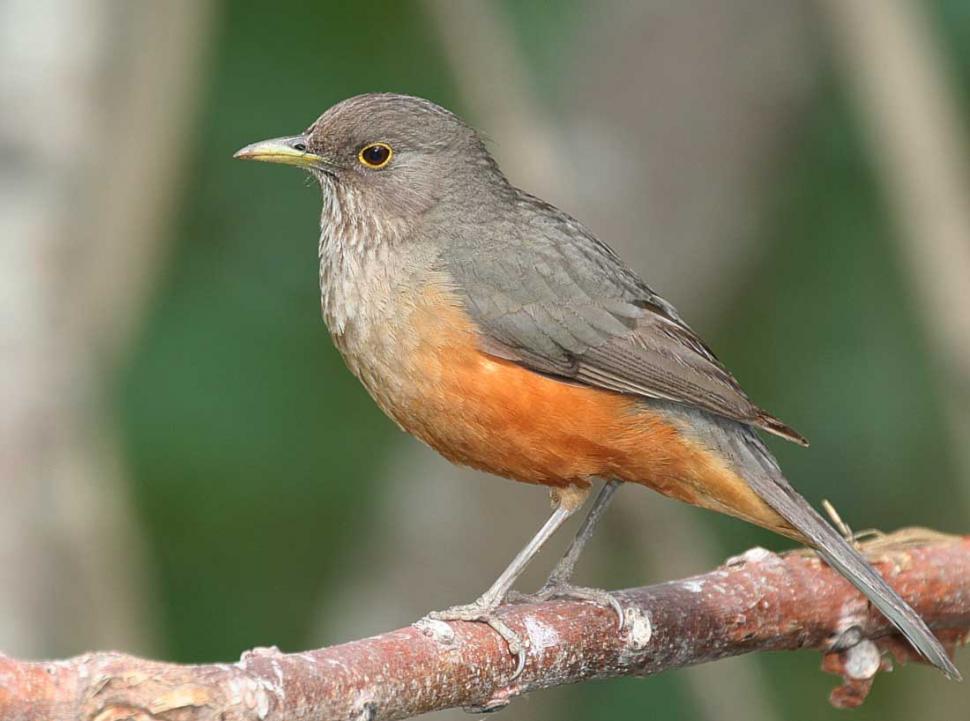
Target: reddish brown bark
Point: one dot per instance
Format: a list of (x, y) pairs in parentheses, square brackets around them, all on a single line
[(756, 602)]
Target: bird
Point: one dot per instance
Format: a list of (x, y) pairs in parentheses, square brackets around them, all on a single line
[(503, 333)]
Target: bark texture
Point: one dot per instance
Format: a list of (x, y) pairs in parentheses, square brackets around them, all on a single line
[(759, 601)]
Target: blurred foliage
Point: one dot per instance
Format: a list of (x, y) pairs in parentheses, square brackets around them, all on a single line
[(255, 454)]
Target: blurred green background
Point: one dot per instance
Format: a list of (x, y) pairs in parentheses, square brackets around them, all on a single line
[(268, 493)]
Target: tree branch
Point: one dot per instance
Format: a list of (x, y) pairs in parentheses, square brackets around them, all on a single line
[(756, 602)]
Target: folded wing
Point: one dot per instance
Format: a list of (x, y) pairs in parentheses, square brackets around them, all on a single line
[(552, 297)]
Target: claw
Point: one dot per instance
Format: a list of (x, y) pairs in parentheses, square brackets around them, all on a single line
[(485, 613)]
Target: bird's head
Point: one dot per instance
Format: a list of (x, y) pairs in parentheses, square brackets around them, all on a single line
[(389, 157)]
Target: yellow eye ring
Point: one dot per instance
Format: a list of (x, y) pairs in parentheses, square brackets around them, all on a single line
[(375, 155)]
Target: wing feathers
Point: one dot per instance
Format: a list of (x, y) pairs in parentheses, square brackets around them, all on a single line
[(552, 297)]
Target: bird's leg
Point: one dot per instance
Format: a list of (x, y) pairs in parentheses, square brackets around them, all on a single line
[(558, 584), (563, 571), (483, 609)]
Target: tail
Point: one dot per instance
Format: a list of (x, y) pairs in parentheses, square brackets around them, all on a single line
[(778, 493)]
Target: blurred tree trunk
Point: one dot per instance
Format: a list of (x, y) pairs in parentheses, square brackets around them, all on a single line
[(901, 84), (663, 148), (94, 102), (900, 81)]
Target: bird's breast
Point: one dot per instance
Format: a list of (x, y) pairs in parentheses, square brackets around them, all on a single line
[(406, 335), (375, 298)]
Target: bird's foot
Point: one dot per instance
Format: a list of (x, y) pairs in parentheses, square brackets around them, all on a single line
[(484, 611), (555, 588)]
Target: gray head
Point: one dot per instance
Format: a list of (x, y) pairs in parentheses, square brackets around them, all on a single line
[(389, 157)]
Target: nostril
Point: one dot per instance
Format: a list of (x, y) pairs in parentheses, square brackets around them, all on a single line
[(299, 146)]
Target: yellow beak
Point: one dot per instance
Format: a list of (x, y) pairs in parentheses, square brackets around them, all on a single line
[(288, 151)]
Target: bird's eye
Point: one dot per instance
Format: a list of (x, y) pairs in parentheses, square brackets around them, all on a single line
[(375, 156)]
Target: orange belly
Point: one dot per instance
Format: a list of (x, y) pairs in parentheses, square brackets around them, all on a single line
[(497, 416)]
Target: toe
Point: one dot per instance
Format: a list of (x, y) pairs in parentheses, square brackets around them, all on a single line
[(579, 593)]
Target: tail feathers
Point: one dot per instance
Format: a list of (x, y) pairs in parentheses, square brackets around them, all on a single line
[(775, 490)]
